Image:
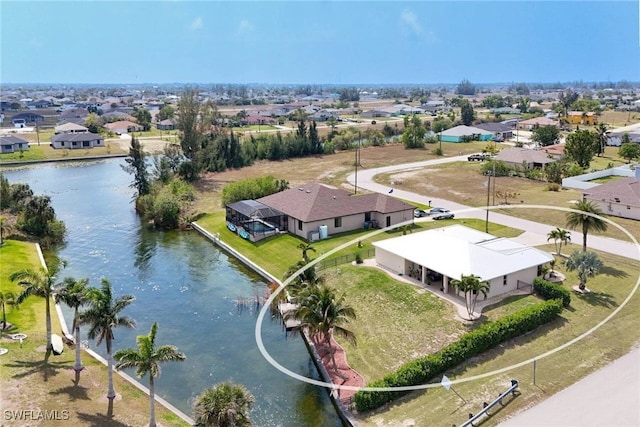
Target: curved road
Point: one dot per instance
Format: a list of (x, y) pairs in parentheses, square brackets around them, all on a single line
[(608, 397)]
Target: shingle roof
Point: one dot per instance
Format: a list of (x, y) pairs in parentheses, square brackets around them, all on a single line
[(67, 127), (624, 190), (12, 139), (76, 137), (519, 155), (316, 202), (495, 127), (463, 130)]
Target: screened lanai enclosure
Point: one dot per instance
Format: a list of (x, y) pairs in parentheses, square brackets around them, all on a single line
[(254, 220)]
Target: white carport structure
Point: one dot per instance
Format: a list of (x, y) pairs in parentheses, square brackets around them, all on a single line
[(435, 256)]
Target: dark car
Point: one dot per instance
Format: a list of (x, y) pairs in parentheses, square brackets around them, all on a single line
[(444, 215), (479, 157), (419, 213)]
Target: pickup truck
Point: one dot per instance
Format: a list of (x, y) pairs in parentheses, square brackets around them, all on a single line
[(479, 157)]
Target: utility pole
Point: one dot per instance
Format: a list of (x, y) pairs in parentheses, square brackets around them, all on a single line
[(357, 161), (486, 225)]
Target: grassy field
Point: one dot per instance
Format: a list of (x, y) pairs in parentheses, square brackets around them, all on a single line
[(416, 323), (29, 384), (45, 152)]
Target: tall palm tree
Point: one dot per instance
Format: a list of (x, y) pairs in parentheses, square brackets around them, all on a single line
[(103, 316), (6, 298), (74, 293), (322, 313), (560, 237), (601, 130), (40, 283), (147, 359), (224, 405), (472, 286), (585, 220), (587, 264)]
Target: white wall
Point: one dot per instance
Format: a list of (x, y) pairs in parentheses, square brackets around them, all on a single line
[(390, 261)]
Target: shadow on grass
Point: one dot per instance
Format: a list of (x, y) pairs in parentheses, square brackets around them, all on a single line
[(47, 369), (75, 392), (614, 272), (600, 299), (101, 420)]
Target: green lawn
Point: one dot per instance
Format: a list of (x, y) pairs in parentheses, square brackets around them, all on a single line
[(44, 152)]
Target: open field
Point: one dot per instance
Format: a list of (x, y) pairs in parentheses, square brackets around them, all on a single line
[(27, 384)]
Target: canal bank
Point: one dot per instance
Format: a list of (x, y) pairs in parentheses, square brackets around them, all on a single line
[(342, 411)]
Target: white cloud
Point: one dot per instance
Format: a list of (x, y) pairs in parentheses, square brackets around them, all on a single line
[(245, 27), (196, 24), (413, 27)]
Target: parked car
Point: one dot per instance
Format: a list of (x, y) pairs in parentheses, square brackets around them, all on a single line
[(437, 210), (419, 213), (444, 215), (481, 157)]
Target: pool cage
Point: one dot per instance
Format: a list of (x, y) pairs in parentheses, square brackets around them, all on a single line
[(256, 219)]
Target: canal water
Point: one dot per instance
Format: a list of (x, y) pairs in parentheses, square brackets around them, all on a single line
[(187, 285)]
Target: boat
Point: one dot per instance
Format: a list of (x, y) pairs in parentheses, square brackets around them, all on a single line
[(231, 227), (57, 344), (244, 234)]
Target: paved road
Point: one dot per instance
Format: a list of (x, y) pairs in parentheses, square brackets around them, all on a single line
[(609, 397), (536, 233)]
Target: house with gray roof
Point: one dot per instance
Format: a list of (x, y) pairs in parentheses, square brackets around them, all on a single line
[(77, 140), (500, 131), (13, 144), (70, 128), (464, 133), (620, 197), (525, 158), (314, 210)]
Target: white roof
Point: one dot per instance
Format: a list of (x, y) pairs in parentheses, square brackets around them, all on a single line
[(458, 250)]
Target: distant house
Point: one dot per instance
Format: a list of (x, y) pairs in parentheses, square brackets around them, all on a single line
[(27, 118), (537, 122), (166, 124), (74, 115), (524, 158), (464, 133), (123, 127), (434, 107), (619, 198), (70, 128), (12, 144), (435, 257), (315, 211), (41, 103), (77, 140), (614, 136), (500, 131), (324, 115), (375, 113), (580, 118)]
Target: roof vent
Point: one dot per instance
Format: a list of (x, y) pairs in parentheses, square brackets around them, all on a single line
[(617, 199), (300, 188), (308, 191)]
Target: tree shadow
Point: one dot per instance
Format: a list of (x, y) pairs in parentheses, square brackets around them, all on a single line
[(47, 369), (75, 392), (101, 420), (613, 272), (601, 299)]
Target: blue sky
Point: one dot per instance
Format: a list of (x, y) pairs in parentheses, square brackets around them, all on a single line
[(299, 42)]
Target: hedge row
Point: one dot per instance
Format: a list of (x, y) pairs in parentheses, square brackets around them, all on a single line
[(487, 336), (548, 290)]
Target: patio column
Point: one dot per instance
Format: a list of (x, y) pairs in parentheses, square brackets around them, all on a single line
[(424, 273), (445, 283)]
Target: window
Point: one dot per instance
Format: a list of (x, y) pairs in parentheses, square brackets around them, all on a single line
[(504, 280), (299, 225), (337, 222)]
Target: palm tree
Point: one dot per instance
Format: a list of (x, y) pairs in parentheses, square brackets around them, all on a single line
[(2, 220), (322, 312), (224, 405), (472, 286), (147, 359), (103, 316), (560, 237), (74, 293), (601, 130), (40, 283), (587, 264), (6, 298), (586, 220), (306, 247)]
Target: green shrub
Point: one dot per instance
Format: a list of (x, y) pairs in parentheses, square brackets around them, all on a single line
[(487, 336), (549, 290)]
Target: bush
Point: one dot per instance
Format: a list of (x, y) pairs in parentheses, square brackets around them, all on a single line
[(501, 168), (553, 187), (548, 290), (358, 258), (487, 336)]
